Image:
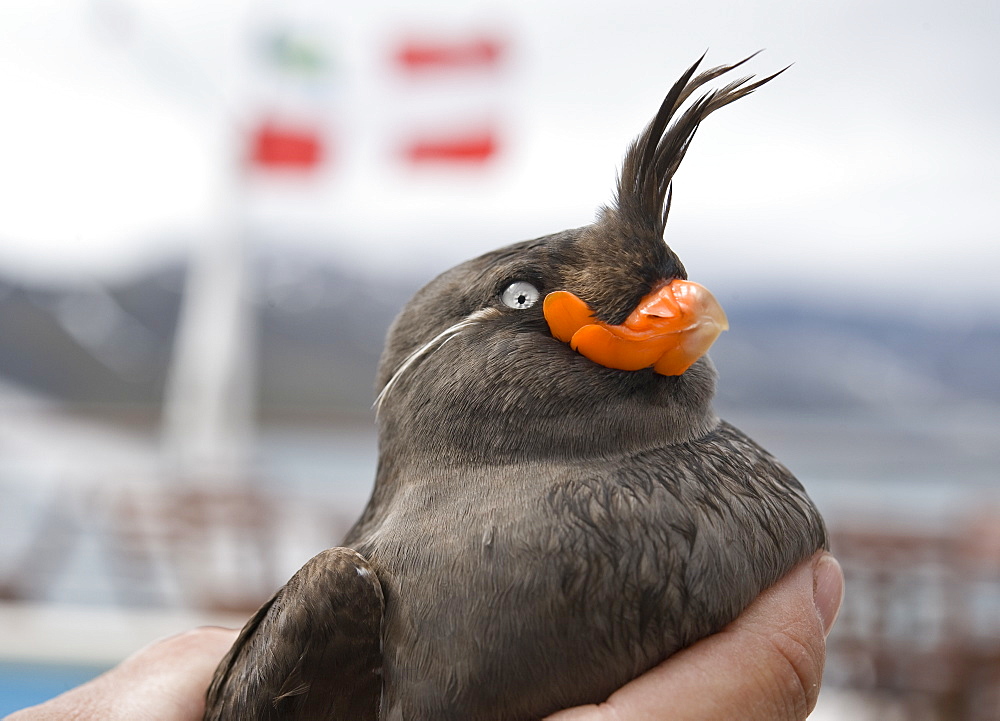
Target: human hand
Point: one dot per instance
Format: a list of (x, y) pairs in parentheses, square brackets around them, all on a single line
[(765, 666), (164, 681)]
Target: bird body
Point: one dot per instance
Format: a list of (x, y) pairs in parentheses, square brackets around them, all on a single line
[(544, 585), (557, 508)]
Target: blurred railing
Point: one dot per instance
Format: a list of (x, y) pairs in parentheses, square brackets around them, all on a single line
[(921, 617), (138, 545)]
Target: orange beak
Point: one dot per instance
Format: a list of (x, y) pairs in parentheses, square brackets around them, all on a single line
[(671, 328)]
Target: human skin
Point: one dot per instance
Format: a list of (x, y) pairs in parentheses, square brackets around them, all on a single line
[(766, 665)]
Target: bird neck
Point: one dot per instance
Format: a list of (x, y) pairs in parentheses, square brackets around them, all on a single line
[(478, 432)]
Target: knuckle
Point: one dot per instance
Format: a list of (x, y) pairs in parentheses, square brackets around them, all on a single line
[(796, 670)]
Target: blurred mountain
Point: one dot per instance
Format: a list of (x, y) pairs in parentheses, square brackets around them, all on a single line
[(87, 344), (321, 327), (798, 355), (321, 330)]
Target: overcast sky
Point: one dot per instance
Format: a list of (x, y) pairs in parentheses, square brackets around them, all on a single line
[(872, 164)]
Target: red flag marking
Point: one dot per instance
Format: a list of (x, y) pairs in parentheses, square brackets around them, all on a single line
[(275, 147), (471, 149), (422, 55)]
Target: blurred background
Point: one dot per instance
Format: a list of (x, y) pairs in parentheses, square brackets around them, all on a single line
[(210, 211)]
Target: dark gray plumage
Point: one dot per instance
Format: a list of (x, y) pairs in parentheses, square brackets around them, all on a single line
[(292, 658), (543, 528)]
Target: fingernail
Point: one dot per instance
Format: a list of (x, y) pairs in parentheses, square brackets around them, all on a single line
[(828, 590)]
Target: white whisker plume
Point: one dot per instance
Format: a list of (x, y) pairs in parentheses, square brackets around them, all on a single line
[(439, 340)]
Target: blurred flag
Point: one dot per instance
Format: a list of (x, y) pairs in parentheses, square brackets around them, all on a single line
[(292, 96), (438, 71), (474, 147), (277, 146), (481, 52)]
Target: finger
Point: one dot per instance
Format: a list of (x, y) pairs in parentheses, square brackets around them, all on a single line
[(165, 681), (765, 666), (176, 671)]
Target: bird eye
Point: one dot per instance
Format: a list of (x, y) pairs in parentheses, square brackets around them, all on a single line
[(520, 295)]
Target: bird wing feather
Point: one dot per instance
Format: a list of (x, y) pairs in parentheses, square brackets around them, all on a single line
[(312, 652)]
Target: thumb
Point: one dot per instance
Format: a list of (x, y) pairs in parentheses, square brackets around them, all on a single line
[(765, 666)]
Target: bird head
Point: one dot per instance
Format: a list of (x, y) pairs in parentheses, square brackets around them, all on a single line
[(587, 341)]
